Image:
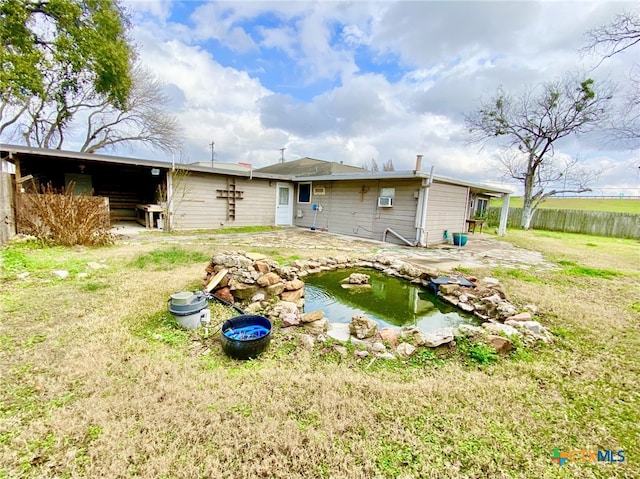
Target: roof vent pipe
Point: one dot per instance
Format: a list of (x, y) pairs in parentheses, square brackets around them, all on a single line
[(418, 163)]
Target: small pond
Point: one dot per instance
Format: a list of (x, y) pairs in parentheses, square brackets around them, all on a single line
[(390, 301)]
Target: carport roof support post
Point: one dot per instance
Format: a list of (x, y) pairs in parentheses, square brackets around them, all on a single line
[(504, 214)]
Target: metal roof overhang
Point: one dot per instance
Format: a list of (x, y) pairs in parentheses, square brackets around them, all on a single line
[(476, 187), (483, 188), (120, 160)]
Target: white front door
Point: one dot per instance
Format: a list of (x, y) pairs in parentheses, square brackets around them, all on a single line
[(284, 205)]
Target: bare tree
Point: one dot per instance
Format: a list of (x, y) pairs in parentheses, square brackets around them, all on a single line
[(388, 166), (172, 192), (371, 165), (621, 35), (144, 119), (532, 123), (554, 176)]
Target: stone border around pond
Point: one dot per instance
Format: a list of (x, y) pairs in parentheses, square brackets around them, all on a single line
[(264, 287)]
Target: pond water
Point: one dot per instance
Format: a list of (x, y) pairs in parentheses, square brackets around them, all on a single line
[(390, 301)]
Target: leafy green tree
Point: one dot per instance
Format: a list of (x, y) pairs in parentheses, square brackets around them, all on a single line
[(531, 125), (53, 50)]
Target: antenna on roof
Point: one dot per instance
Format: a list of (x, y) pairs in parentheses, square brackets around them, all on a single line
[(282, 155), (211, 145)]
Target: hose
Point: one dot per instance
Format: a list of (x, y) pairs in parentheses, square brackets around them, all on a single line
[(226, 303)]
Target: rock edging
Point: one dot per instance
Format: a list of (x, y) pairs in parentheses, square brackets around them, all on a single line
[(277, 292)]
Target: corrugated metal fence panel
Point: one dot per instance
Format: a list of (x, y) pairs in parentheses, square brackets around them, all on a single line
[(600, 223)]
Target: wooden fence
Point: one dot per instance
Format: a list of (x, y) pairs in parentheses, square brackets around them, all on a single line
[(601, 223), (7, 221)]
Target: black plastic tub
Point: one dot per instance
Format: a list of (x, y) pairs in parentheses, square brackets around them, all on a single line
[(246, 336)]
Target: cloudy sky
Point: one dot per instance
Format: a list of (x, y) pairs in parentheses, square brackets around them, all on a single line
[(355, 81)]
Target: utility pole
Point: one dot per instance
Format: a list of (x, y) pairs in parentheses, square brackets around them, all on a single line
[(211, 145), (282, 155)]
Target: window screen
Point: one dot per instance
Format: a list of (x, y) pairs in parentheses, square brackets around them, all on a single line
[(304, 193)]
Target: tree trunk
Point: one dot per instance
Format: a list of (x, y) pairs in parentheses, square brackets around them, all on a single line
[(527, 214), (527, 205)]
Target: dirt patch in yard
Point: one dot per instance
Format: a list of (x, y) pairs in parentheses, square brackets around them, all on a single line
[(481, 250)]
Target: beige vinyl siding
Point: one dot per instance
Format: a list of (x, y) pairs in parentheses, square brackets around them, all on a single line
[(199, 207), (401, 216), (308, 215), (446, 210), (342, 211), (353, 208)]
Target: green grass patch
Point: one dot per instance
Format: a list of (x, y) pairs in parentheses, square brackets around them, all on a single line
[(520, 274), (92, 286), (20, 402), (35, 339), (93, 432), (280, 258), (476, 352), (425, 358), (573, 269), (37, 260), (463, 270), (242, 409), (167, 258), (394, 459), (613, 205), (162, 327)]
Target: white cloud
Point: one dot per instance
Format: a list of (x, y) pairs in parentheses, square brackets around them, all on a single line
[(448, 55), (160, 9), (280, 38)]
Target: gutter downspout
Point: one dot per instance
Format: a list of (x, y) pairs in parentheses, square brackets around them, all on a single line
[(504, 214), (421, 217)]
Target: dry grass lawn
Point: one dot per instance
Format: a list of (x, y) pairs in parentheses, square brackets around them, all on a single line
[(97, 381)]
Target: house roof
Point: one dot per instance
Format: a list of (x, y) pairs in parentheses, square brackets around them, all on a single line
[(310, 167), (7, 150), (477, 187), (304, 169)]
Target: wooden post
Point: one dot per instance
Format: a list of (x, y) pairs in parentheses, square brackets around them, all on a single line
[(16, 162)]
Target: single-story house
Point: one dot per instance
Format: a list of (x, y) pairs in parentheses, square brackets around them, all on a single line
[(410, 207), (203, 196)]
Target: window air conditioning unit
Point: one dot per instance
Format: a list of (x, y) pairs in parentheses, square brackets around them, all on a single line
[(385, 202)]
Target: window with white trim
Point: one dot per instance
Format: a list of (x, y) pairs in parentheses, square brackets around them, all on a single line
[(304, 192)]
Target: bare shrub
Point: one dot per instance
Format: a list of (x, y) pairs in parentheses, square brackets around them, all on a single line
[(62, 218), (170, 197)]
